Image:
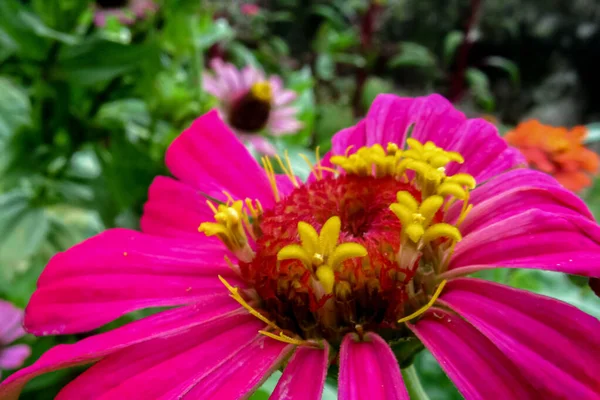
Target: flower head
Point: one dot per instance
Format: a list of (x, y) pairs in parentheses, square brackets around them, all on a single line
[(557, 151), (252, 103), (360, 266), (11, 329), (126, 11)]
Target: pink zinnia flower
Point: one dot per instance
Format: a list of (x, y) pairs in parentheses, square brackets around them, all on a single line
[(251, 103), (126, 11), (363, 263), (11, 329)]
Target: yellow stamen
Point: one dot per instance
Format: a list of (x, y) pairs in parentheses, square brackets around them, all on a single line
[(416, 218), (318, 170), (270, 171), (369, 161), (287, 168), (284, 338), (232, 225), (262, 91), (320, 252), (426, 306), (234, 293)]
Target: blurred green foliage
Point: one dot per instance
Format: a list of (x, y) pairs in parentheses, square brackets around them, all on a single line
[(87, 112)]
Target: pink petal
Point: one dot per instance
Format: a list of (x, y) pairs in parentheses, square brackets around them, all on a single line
[(369, 370), (533, 239), (13, 357), (276, 83), (233, 77), (11, 328), (284, 184), (304, 376), (486, 154), (432, 118), (514, 179), (212, 85), (250, 76), (387, 121), (210, 313), (177, 209), (165, 367), (284, 97), (284, 112), (223, 76), (556, 345), (120, 271), (261, 144), (208, 157), (355, 136), (245, 373), (478, 369), (512, 202), (284, 126)]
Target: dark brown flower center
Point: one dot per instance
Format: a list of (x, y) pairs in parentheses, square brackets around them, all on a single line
[(250, 113)]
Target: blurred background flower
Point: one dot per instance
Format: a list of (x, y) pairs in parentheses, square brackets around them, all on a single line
[(125, 11), (12, 356), (558, 151), (251, 103)]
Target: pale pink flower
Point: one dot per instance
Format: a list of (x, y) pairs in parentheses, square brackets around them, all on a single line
[(360, 266), (252, 103), (11, 329), (126, 11)]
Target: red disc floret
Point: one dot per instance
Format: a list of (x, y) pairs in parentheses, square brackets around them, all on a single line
[(368, 290)]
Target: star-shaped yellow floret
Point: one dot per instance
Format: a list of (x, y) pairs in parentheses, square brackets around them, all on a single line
[(320, 252), (231, 224), (416, 218)]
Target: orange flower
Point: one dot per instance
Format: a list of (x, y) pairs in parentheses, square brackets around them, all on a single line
[(557, 151)]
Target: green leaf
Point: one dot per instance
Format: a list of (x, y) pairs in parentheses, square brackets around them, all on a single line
[(22, 227), (373, 87), (25, 33), (330, 14), (480, 87), (95, 60), (131, 114), (506, 65), (242, 55), (212, 32), (333, 117), (451, 42), (413, 55), (325, 66), (15, 109)]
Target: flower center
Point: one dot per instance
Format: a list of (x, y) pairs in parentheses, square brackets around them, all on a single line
[(250, 113), (358, 250)]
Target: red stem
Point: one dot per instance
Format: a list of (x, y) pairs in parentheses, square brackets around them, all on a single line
[(367, 29), (457, 83)]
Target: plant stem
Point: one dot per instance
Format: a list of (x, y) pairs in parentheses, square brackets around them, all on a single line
[(367, 31), (413, 384), (457, 83), (197, 61)]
